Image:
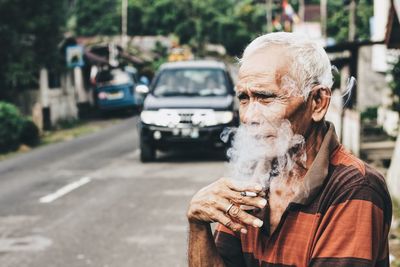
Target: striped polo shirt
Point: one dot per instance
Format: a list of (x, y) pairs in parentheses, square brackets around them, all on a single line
[(343, 220)]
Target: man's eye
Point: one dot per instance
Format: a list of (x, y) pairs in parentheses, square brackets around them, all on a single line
[(263, 98), (243, 98), (266, 99)]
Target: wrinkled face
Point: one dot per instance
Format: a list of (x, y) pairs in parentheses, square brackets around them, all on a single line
[(268, 96), (271, 141)]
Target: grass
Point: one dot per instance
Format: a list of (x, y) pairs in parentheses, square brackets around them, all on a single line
[(68, 133), (7, 155), (64, 131)]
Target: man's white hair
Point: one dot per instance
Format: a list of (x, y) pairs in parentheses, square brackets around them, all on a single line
[(309, 65)]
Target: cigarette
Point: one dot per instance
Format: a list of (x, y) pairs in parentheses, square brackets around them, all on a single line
[(248, 194)]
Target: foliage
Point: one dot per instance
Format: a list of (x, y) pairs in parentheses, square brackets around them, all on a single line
[(29, 133), (10, 127), (161, 56), (30, 33), (371, 113), (97, 17), (16, 129), (67, 124), (338, 20), (232, 23), (395, 85)]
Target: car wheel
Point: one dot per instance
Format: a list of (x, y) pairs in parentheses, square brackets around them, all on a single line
[(147, 152)]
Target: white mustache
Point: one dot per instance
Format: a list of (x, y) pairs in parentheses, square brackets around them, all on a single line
[(259, 151)]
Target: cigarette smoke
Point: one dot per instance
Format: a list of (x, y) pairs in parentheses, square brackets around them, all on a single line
[(350, 84), (263, 151), (267, 148)]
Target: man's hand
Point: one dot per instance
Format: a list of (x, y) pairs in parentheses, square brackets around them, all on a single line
[(213, 204)]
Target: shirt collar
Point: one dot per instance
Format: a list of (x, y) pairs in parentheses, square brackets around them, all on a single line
[(315, 176)]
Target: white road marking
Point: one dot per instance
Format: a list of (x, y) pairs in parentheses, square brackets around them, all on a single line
[(27, 243), (64, 190)]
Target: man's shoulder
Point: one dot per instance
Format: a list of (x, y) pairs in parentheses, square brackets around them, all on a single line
[(341, 158), (348, 171), (350, 179)]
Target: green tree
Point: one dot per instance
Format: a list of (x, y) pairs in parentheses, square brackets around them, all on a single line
[(100, 17), (394, 84), (232, 23), (29, 36), (338, 20)]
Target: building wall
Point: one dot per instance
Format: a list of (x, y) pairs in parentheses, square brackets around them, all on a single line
[(393, 178), (370, 84), (379, 23), (62, 106), (62, 101)]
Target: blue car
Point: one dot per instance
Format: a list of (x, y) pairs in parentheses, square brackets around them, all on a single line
[(115, 89)]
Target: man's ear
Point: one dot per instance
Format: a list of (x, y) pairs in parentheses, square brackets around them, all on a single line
[(320, 97)]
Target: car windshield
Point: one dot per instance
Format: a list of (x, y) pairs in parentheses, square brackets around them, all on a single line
[(191, 82)]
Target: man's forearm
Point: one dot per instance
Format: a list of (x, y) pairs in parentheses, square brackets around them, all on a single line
[(202, 250)]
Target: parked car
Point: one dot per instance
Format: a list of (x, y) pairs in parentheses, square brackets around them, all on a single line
[(115, 89), (189, 103)]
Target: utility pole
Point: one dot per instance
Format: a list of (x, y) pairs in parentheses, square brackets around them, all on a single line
[(124, 23), (324, 15), (352, 20), (302, 10), (268, 4)]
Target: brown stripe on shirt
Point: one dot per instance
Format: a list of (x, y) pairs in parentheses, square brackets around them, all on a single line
[(342, 221)]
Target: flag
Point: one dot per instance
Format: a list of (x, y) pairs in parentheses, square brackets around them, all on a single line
[(289, 11)]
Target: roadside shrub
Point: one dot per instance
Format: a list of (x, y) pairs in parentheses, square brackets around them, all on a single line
[(29, 133), (10, 127), (394, 84), (67, 124), (371, 113)]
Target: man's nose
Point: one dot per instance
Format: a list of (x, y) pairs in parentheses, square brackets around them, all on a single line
[(252, 115)]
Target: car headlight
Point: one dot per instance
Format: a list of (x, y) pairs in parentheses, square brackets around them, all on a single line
[(149, 117), (223, 117), (212, 118), (160, 118)]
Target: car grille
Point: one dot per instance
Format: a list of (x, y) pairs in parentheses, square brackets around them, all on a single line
[(185, 117)]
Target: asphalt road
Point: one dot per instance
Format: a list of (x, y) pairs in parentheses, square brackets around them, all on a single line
[(90, 202)]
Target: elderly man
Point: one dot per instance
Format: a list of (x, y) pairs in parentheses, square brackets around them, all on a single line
[(318, 205)]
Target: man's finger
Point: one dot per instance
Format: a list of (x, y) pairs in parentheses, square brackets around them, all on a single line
[(243, 186), (229, 223), (243, 217), (239, 199), (235, 213)]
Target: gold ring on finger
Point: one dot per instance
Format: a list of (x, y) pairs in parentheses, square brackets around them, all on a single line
[(228, 208), (234, 211)]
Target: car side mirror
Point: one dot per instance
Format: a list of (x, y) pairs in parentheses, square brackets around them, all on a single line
[(142, 89), (144, 80)]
